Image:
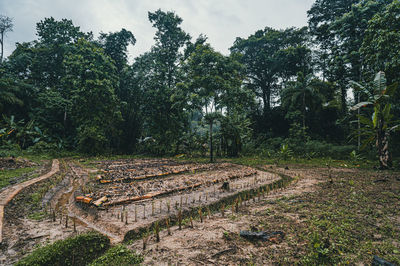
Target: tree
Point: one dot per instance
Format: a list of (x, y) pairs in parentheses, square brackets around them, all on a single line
[(339, 28), (165, 102), (91, 79), (115, 45), (302, 93), (381, 124), (271, 56), (6, 25), (381, 44)]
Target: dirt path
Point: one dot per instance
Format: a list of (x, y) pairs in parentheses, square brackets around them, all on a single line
[(7, 195), (216, 240)]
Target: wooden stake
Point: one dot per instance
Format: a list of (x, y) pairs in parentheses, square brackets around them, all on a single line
[(126, 217), (135, 213), (223, 210), (66, 221), (191, 222), (144, 211), (152, 208), (74, 225)]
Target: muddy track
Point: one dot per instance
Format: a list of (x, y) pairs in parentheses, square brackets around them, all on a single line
[(7, 195)]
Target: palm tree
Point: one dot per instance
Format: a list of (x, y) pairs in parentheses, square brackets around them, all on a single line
[(302, 92), (381, 124)]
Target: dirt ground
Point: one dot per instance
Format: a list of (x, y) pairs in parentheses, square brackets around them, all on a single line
[(326, 216), (313, 233)]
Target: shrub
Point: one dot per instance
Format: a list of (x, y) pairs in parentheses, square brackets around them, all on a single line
[(118, 255), (78, 250), (9, 149)]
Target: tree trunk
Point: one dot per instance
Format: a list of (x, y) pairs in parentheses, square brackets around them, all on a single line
[(304, 110), (211, 142), (2, 49), (382, 145)]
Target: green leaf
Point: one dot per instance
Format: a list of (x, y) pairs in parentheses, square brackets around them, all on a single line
[(359, 105), (380, 82)]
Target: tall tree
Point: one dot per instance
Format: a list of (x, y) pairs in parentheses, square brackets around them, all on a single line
[(6, 25), (115, 45), (302, 94), (270, 57), (165, 102), (91, 78), (382, 43)]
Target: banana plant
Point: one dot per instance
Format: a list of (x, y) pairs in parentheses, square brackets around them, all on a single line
[(381, 124)]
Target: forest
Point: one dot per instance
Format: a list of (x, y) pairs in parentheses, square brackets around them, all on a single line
[(314, 91)]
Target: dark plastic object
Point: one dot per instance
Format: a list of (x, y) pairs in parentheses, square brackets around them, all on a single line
[(380, 262), (263, 236)]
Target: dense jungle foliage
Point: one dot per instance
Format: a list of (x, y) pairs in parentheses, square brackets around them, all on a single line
[(328, 89)]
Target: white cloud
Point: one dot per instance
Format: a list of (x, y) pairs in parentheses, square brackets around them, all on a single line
[(222, 21)]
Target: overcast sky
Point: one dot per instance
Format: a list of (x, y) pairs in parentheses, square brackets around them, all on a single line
[(220, 20)]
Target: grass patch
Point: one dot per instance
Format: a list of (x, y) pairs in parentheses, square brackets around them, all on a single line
[(119, 255), (78, 250), (7, 175)]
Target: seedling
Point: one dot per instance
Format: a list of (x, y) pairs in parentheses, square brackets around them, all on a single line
[(74, 225), (223, 210), (201, 215), (157, 231), (160, 206), (191, 222), (209, 212), (144, 211), (180, 219), (237, 205), (145, 239), (167, 225), (181, 201), (168, 206)]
